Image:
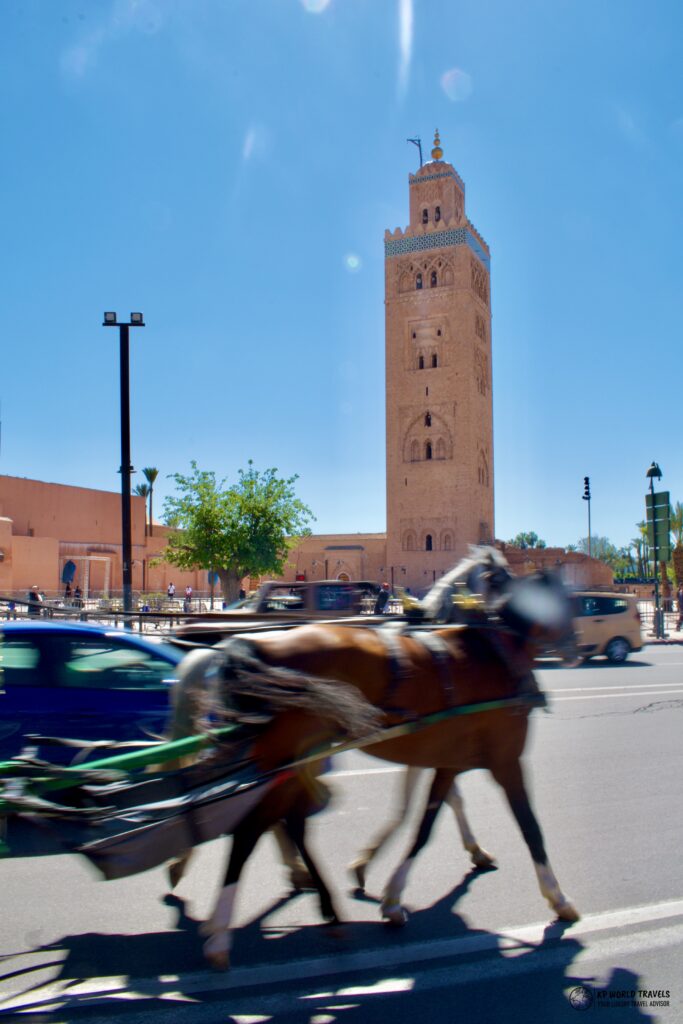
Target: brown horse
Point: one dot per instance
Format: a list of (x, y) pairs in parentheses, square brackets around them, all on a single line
[(483, 671)]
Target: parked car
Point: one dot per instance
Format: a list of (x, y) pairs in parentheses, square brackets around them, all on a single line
[(83, 682), (607, 624)]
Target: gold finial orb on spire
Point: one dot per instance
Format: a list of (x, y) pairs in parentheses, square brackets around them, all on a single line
[(437, 152)]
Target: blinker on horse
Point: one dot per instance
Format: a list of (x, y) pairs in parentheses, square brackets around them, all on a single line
[(483, 667)]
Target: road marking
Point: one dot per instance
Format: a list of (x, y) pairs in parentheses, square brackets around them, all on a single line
[(625, 686), (617, 696), (509, 944)]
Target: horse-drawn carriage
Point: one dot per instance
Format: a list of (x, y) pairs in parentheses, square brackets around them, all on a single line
[(450, 687)]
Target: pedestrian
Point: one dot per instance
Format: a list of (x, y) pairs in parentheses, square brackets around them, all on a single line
[(382, 599), (679, 602), (171, 591), (78, 597), (34, 602), (67, 593), (187, 603)]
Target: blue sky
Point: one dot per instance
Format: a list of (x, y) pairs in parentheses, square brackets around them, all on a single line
[(229, 168)]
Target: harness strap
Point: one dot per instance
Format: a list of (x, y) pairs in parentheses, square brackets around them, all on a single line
[(400, 666), (441, 653)]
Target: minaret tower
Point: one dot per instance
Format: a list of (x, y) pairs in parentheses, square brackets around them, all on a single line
[(438, 381)]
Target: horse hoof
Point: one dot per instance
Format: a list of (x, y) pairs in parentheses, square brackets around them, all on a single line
[(301, 881), (483, 860), (218, 961), (175, 873), (567, 912), (357, 870), (395, 916)]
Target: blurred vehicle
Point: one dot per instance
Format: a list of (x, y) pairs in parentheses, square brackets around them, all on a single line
[(281, 604), (82, 682), (607, 624)]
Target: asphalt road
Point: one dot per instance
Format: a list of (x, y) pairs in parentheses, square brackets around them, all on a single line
[(606, 766)]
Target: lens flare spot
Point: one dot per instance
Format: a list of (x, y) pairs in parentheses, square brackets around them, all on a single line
[(352, 262), (457, 84), (315, 6)]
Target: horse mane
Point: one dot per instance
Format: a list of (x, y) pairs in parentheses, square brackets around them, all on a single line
[(483, 570), (231, 682)]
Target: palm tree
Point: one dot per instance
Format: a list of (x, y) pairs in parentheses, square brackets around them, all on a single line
[(676, 517), (150, 474), (144, 490)]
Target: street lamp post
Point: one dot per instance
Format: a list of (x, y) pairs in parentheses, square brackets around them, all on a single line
[(136, 320)]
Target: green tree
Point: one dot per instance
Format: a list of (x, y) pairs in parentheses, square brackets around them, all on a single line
[(676, 516), (620, 560), (527, 540), (150, 474), (144, 491), (246, 529)]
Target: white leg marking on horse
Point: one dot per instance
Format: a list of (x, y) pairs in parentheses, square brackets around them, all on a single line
[(217, 928), (391, 904), (480, 857), (551, 890), (358, 867)]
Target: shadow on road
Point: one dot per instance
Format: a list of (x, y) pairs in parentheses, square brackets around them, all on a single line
[(485, 978)]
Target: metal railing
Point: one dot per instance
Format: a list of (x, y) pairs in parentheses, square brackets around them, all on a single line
[(101, 611), (670, 619)]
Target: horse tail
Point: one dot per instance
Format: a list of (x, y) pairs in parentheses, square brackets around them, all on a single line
[(250, 687)]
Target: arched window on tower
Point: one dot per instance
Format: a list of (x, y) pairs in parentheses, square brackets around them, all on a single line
[(428, 542), (428, 419), (418, 282), (415, 451), (420, 362), (409, 541), (433, 280), (435, 360), (425, 216), (441, 448), (428, 450), (447, 542), (437, 214)]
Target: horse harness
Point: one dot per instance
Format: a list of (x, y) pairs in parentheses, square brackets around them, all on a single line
[(401, 668)]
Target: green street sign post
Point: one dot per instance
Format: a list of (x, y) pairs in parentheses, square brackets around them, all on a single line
[(657, 509)]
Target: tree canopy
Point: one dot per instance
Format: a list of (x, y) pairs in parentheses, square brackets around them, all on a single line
[(527, 540), (238, 530)]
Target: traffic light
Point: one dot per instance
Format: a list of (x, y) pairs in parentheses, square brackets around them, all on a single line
[(586, 488)]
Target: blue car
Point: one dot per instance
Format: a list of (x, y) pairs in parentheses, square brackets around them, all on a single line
[(82, 682)]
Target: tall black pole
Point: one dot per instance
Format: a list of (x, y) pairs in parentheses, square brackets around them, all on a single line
[(659, 632), (126, 544)]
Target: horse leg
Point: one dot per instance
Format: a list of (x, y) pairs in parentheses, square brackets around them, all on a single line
[(511, 778), (359, 866), (391, 903), (216, 929), (480, 857), (299, 876), (176, 868), (295, 827)]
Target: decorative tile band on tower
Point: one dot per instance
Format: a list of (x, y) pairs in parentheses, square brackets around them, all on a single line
[(417, 179), (436, 240)]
